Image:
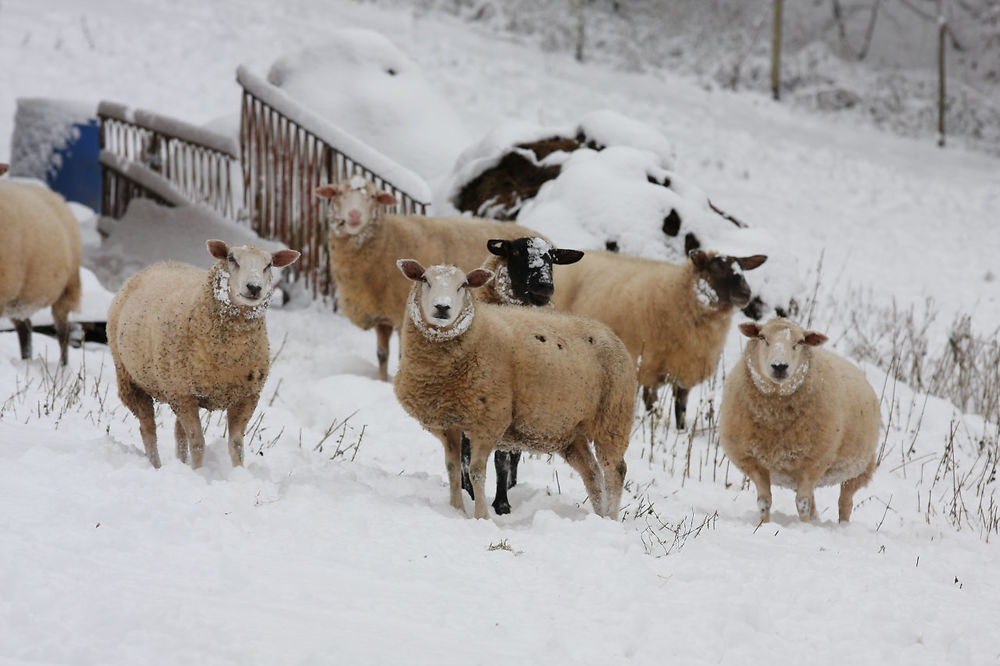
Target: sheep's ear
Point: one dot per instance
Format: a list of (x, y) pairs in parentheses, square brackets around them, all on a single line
[(411, 268), (478, 277), (565, 256), (3, 168), (327, 191), (284, 257), (498, 246), (385, 198), (814, 339), (217, 249), (750, 329), (699, 259), (750, 263)]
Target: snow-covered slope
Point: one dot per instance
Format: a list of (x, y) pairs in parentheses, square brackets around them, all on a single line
[(336, 543)]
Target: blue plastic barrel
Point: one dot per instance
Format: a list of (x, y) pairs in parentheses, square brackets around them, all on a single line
[(78, 177)]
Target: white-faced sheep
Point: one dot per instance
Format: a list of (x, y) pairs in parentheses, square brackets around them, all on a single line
[(40, 260), (195, 339), (674, 319), (522, 276), (365, 241), (514, 378), (798, 416)]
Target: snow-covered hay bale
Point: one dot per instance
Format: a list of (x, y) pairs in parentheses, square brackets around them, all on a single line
[(609, 183), (364, 83)]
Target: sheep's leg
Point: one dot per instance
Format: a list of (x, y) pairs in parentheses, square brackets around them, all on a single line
[(451, 439), (649, 396), (383, 332), (479, 450), (762, 481), (23, 328), (515, 460), (60, 316), (805, 500), (580, 458), (680, 405), (139, 403), (614, 480), (501, 463), (466, 454), (182, 443), (238, 416), (851, 486), (187, 414)]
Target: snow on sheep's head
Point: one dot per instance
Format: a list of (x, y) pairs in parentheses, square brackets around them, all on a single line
[(441, 298), (355, 205), (247, 272), (720, 278), (778, 354), (528, 268)]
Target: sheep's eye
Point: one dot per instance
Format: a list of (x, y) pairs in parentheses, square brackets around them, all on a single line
[(233, 260), (762, 339), (268, 267)]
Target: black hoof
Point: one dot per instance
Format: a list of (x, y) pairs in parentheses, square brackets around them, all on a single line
[(501, 508)]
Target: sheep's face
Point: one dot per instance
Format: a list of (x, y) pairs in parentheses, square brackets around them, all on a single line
[(720, 277), (355, 205), (249, 270), (529, 263), (442, 295), (778, 354)]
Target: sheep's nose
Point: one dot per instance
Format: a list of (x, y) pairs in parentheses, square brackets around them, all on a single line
[(354, 216), (779, 369), (542, 289), (254, 290), (442, 311)]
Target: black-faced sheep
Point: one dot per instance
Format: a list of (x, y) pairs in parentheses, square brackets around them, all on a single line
[(514, 378), (365, 240), (195, 339), (40, 260), (674, 319), (522, 275), (798, 416)]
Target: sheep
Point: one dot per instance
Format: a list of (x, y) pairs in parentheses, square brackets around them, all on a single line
[(522, 271), (195, 339), (40, 255), (673, 318), (800, 416), (514, 378), (364, 240)]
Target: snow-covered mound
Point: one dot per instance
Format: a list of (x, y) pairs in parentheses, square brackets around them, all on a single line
[(149, 232), (608, 182), (42, 129), (365, 84)]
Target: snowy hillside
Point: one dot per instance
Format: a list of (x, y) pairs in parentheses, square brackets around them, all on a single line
[(336, 543)]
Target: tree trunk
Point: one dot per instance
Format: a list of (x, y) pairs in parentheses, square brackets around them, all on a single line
[(577, 6), (942, 42), (776, 50)]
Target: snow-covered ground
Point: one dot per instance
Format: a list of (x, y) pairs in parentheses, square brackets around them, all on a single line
[(336, 543)]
